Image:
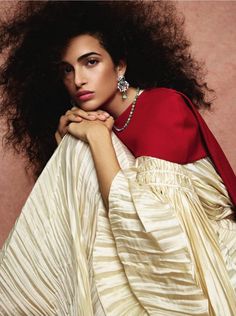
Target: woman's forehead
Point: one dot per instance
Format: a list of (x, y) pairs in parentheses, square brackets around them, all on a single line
[(82, 46)]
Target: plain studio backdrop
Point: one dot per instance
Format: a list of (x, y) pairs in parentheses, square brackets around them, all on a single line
[(211, 26)]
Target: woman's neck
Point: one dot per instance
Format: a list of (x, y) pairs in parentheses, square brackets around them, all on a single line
[(117, 106)]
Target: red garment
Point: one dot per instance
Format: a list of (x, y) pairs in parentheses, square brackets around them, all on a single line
[(164, 126)]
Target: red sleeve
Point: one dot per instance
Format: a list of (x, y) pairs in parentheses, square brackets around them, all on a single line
[(164, 127)]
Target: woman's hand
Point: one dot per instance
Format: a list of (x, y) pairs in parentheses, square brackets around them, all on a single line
[(87, 130), (77, 115)]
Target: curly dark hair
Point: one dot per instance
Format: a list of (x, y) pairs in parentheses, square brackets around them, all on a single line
[(149, 35)]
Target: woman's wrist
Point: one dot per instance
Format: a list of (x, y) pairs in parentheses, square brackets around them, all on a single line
[(98, 134)]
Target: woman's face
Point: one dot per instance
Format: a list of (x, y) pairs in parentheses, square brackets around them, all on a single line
[(89, 73)]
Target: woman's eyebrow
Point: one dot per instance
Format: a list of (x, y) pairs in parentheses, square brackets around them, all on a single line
[(87, 55), (81, 57)]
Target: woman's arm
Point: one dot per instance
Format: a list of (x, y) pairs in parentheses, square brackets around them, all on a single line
[(98, 135)]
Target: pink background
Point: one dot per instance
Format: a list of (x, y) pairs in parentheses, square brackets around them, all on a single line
[(211, 26)]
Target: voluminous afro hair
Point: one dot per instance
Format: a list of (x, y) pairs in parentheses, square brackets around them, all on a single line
[(148, 35)]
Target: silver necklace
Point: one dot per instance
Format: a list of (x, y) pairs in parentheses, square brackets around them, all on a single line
[(120, 129)]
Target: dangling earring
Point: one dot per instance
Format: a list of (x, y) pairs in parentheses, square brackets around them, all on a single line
[(123, 86)]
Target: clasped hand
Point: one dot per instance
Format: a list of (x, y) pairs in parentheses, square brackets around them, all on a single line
[(80, 123)]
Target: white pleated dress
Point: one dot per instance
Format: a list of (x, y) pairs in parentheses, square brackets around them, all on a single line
[(164, 248)]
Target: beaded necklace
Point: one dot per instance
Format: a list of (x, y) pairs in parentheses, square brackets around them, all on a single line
[(120, 129)]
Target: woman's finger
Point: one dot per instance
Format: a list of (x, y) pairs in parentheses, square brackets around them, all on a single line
[(74, 108), (65, 120), (84, 114), (81, 113), (88, 115), (101, 112), (73, 118), (109, 122)]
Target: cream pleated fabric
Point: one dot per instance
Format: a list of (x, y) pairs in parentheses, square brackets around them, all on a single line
[(165, 248)]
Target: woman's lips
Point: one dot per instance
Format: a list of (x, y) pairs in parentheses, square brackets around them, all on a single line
[(84, 95)]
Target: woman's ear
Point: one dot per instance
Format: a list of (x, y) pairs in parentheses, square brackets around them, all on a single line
[(121, 68)]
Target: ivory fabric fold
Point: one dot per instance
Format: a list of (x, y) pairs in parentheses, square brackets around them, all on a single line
[(165, 248)]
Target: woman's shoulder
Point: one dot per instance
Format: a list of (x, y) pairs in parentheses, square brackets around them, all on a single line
[(168, 104), (172, 128), (160, 92), (166, 97)]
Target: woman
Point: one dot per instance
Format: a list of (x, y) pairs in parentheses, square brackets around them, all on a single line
[(148, 230)]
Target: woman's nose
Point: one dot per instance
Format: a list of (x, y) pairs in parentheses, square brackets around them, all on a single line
[(79, 79)]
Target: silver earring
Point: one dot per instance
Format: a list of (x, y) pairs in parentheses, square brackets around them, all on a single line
[(123, 86)]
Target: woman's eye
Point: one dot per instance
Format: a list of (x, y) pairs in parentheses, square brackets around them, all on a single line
[(68, 69), (92, 62)]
